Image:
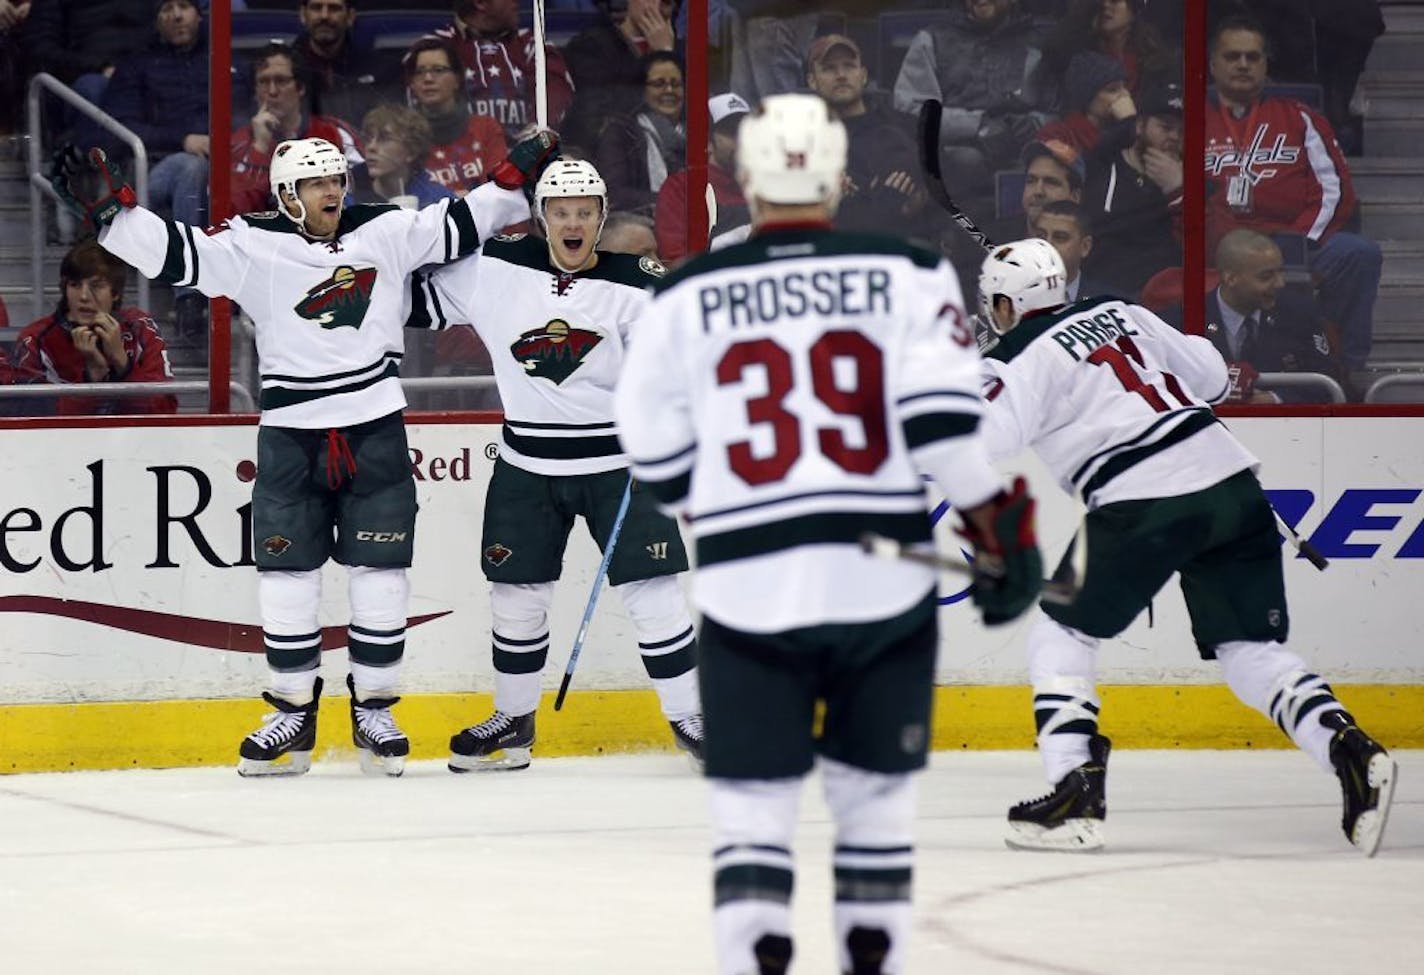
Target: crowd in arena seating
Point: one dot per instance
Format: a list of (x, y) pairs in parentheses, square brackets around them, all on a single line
[(1062, 119)]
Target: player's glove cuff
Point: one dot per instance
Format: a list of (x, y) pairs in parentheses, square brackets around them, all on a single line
[(90, 184), (1008, 569), (526, 162)]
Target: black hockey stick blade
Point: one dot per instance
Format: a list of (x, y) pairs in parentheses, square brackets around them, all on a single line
[(563, 689), (1061, 590), (931, 111), (1312, 554)]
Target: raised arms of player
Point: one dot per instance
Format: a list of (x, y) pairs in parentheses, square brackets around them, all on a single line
[(452, 229)]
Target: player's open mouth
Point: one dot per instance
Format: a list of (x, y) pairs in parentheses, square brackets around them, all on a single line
[(572, 243), (330, 208)]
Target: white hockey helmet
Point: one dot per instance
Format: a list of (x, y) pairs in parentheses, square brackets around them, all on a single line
[(299, 159), (791, 151), (570, 178), (1029, 273)]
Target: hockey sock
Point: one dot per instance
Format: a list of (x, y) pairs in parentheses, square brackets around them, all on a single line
[(521, 643), (290, 632), (753, 875), (1276, 682), (666, 640), (376, 637), (1062, 666), (874, 815)]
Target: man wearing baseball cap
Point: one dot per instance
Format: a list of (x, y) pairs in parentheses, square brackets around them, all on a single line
[(726, 113), (882, 191), (1135, 198)]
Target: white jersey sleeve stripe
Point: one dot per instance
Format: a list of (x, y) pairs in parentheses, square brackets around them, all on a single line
[(1325, 173)]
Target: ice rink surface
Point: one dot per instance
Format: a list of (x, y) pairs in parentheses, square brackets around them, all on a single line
[(1219, 862)]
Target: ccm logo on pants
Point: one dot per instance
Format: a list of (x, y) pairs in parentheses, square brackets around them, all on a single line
[(365, 536)]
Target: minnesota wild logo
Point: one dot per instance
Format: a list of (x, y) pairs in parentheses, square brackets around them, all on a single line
[(341, 300), (554, 351)]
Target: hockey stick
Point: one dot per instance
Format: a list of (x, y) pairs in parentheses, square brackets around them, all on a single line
[(593, 596), (1302, 545), (1060, 590), (541, 83), (930, 114)]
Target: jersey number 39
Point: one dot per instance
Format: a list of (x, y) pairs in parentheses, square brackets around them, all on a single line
[(864, 400)]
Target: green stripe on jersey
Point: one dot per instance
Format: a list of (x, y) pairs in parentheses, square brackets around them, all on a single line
[(562, 448), (934, 427), (1026, 331), (829, 528), (1200, 419), (277, 397)]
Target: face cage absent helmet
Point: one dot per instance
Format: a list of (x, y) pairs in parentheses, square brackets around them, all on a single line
[(1029, 273), (299, 159), (790, 151), (566, 178)]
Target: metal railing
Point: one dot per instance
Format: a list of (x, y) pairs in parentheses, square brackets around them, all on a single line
[(1379, 389), (1310, 382), (39, 181), (240, 395)]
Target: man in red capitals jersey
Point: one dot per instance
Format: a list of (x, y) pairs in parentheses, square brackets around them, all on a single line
[(281, 85), (499, 64), (92, 338), (465, 145), (1273, 165)]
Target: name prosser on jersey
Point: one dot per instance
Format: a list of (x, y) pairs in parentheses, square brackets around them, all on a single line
[(793, 293), (1080, 336)]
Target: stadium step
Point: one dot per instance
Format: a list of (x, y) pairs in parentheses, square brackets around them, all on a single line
[(1388, 179), (1397, 221)]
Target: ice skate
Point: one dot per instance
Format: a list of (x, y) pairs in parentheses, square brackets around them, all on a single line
[(501, 742), (1367, 776), (284, 743), (687, 732), (1070, 818), (383, 746)]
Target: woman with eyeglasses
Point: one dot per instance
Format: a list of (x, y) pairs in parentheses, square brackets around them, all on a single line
[(638, 150), (464, 146)]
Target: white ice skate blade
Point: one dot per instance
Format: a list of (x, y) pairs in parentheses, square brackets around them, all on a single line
[(1369, 827), (293, 763), (1073, 836), (373, 764), (505, 760)]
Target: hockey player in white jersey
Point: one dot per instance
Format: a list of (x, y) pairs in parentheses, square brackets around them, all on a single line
[(327, 287), (556, 315), (1115, 403), (786, 394)]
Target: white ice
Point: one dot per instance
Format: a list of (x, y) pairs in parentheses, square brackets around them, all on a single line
[(1219, 862)]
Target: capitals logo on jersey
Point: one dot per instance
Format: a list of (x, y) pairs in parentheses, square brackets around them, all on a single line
[(554, 351), (1257, 160), (341, 301)]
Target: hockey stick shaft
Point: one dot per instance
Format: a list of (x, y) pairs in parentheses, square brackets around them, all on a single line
[(930, 114), (593, 596), (541, 81), (1058, 591), (1303, 546)]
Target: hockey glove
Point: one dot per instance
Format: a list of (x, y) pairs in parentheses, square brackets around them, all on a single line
[(526, 162), (1008, 569), (90, 184)]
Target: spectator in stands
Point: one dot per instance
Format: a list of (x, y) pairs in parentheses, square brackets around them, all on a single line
[(1272, 165), (1135, 199), (81, 42), (1117, 29), (980, 66), (637, 151), (607, 64), (281, 90), (1064, 225), (348, 78), (13, 15), (1099, 112), (395, 140), (465, 145), (1052, 171), (92, 338), (629, 233), (1259, 326), (499, 64), (671, 213), (882, 187), (768, 43)]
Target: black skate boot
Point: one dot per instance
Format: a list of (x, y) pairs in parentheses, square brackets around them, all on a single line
[(500, 742), (1367, 775), (1069, 819), (288, 731), (869, 947), (687, 732), (773, 954), (383, 746)]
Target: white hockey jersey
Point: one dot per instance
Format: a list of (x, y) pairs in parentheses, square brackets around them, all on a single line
[(1114, 400), (557, 342), (328, 314), (786, 394)]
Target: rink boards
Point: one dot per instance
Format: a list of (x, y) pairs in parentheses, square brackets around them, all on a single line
[(129, 630)]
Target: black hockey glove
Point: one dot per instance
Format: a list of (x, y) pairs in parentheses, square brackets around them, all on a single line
[(90, 184), (526, 162), (1008, 569)]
